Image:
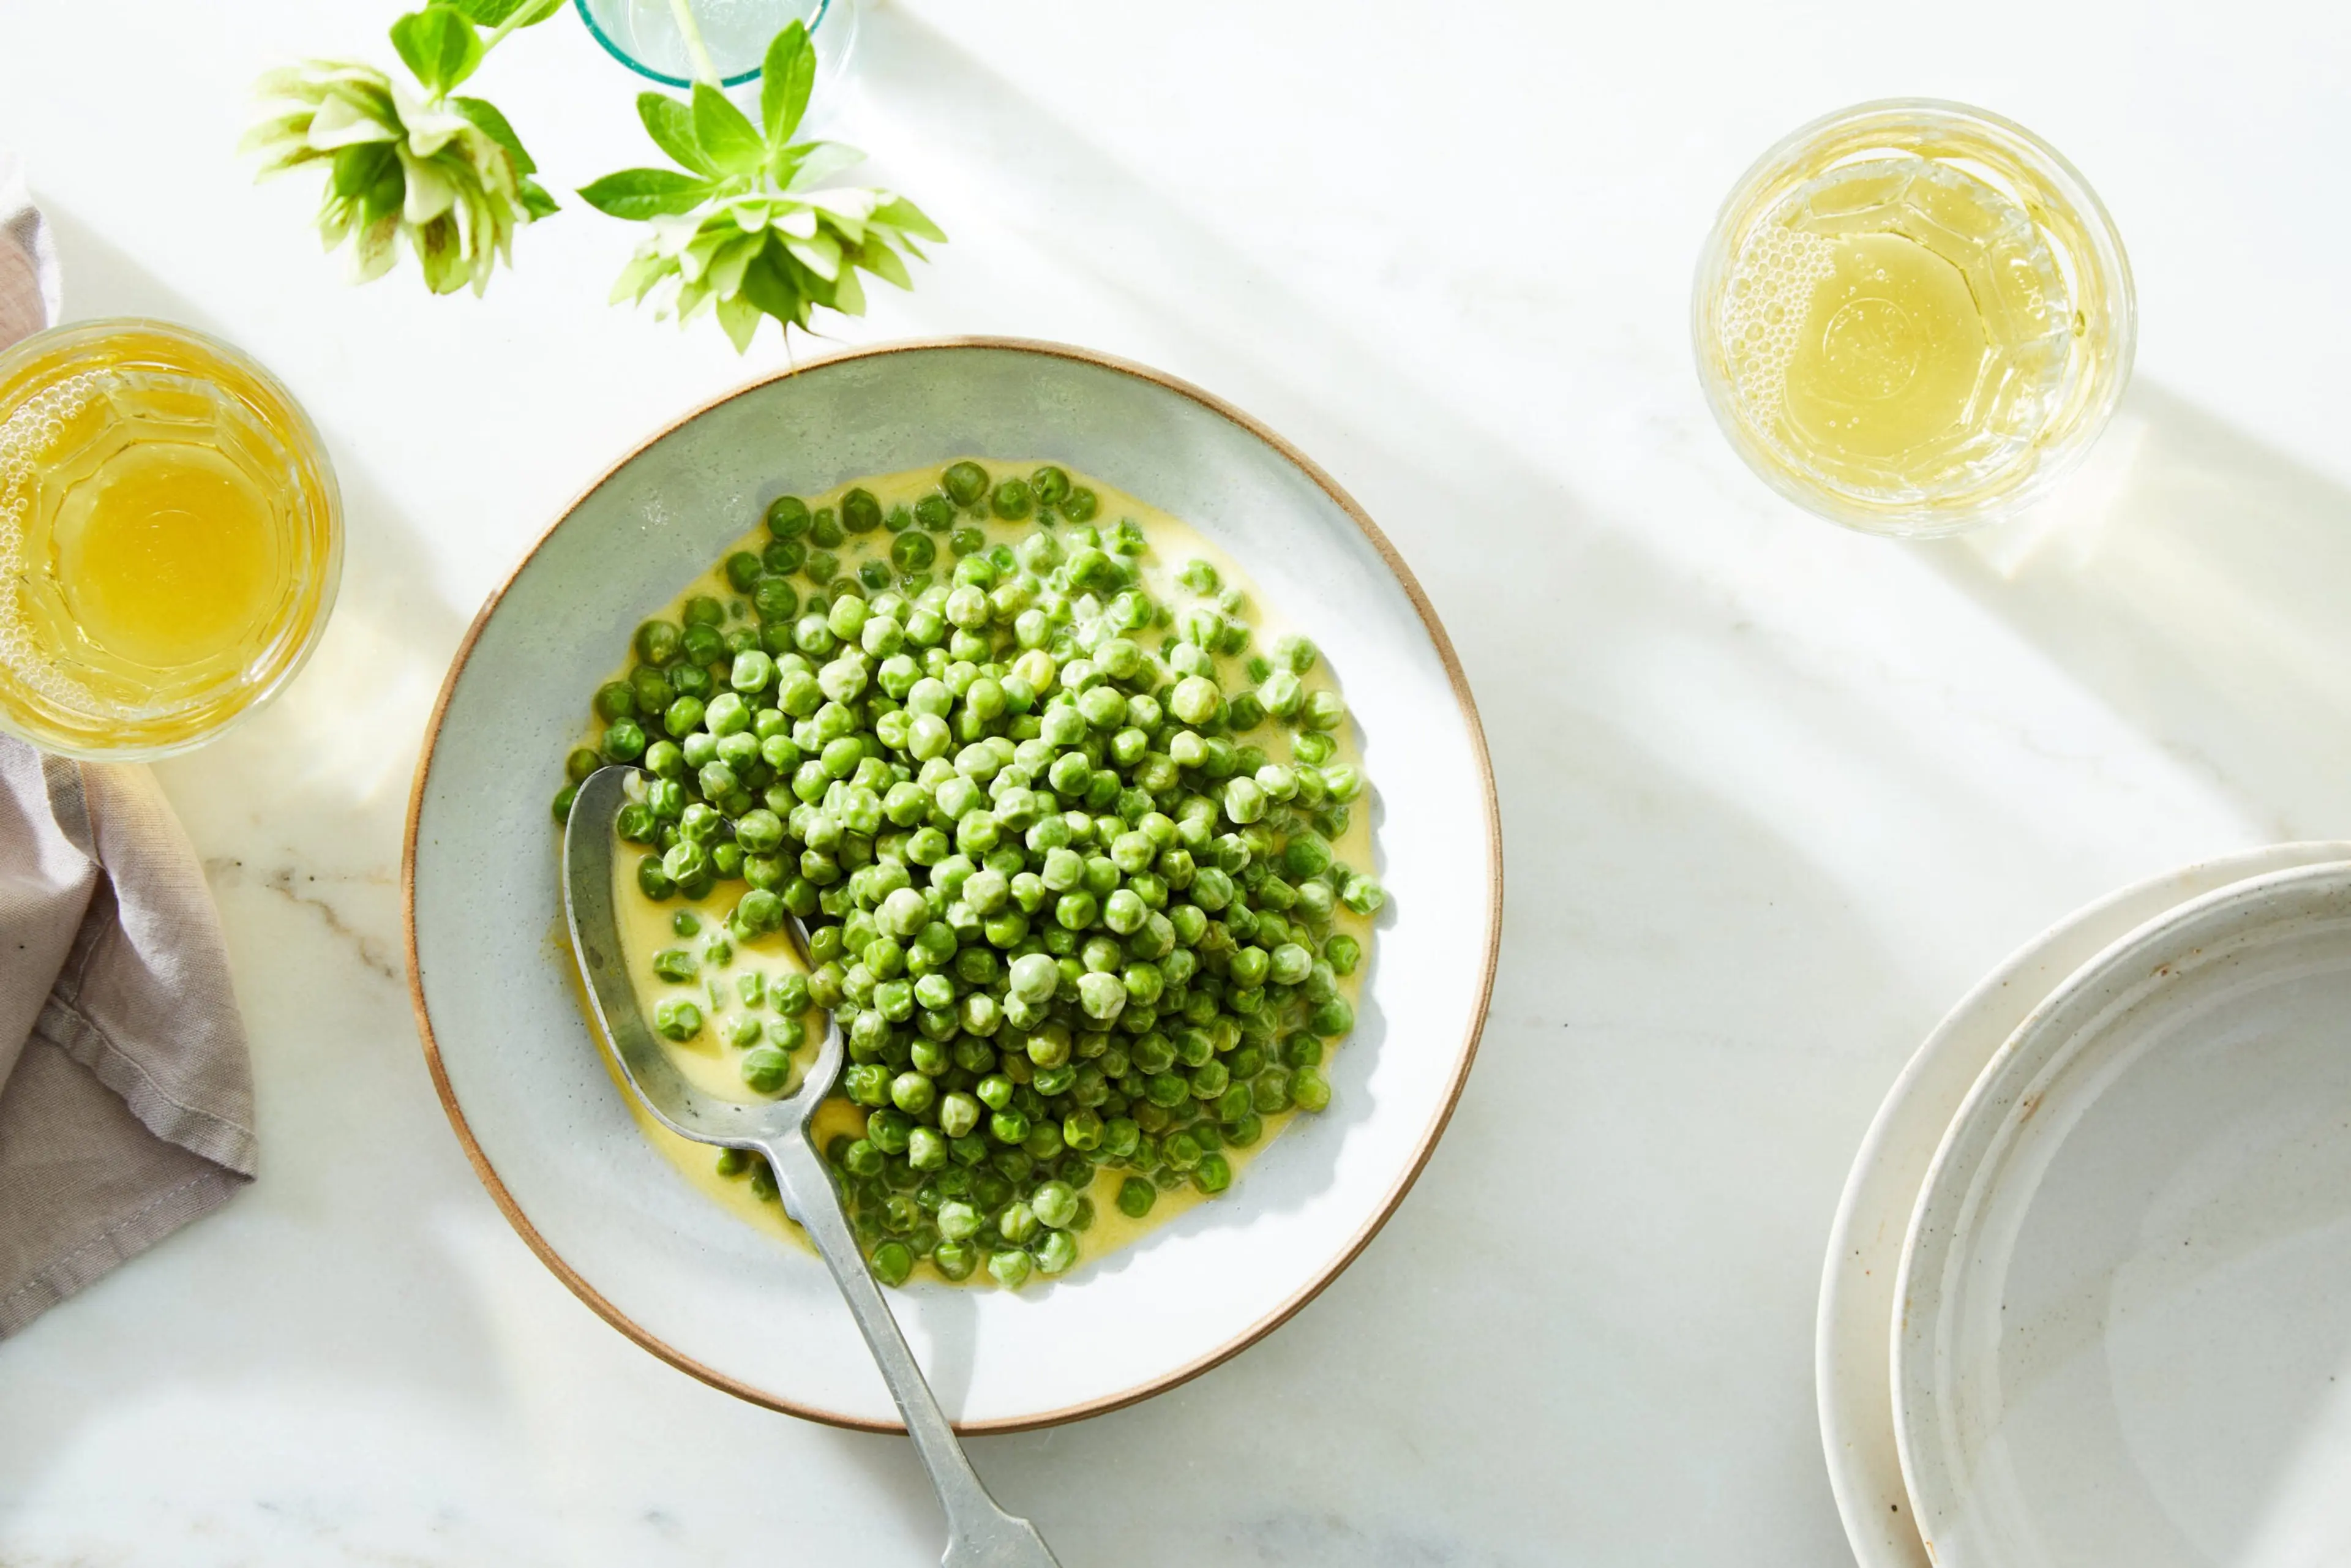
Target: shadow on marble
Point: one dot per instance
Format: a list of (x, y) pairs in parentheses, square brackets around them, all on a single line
[(2195, 578), (1530, 1364), (1629, 1067), (298, 813)]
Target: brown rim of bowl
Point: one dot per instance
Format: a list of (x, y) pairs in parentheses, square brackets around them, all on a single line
[(1255, 1332)]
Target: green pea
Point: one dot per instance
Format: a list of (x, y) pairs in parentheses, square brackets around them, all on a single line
[(965, 482), (1310, 1088), (615, 699), (912, 1092), (892, 1261), (860, 513), (676, 1018), (912, 552), (1012, 500), (1331, 1019), (1055, 1204), (1050, 485), (1057, 1253), (1136, 1197), (657, 641), (787, 516), (1008, 1268), (652, 880), (766, 1069)]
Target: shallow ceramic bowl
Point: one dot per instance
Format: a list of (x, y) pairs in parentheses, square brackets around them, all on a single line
[(522, 1081), (1853, 1369), (2122, 1336)]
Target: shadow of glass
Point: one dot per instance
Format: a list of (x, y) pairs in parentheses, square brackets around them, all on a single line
[(1671, 950), (298, 812), (2195, 578)]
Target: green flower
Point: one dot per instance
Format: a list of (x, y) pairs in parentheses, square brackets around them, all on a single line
[(447, 174), (746, 226)]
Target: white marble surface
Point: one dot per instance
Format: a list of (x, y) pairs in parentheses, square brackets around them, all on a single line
[(1773, 794)]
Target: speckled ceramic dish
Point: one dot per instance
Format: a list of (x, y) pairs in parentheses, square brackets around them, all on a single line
[(528, 1092), (2123, 1337), (1853, 1368)]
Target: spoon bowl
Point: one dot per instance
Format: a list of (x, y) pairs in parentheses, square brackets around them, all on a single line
[(587, 850), (979, 1533)]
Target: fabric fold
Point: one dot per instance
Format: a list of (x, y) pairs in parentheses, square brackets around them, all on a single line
[(126, 1097)]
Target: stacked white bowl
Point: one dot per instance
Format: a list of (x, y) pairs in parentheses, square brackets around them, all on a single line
[(2087, 1299)]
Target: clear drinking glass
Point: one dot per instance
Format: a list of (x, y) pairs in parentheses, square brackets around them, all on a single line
[(171, 538), (1912, 317), (647, 36)]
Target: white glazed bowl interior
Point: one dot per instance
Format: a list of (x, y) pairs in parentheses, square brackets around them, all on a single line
[(2123, 1337), (523, 1084), (1853, 1369)]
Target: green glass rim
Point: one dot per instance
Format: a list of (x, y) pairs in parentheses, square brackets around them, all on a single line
[(823, 9)]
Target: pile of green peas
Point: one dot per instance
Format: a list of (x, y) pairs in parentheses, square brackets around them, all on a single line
[(1068, 908)]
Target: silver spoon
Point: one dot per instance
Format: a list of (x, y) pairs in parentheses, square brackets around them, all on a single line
[(979, 1533)]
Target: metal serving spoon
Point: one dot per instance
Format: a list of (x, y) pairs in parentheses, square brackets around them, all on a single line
[(979, 1533)]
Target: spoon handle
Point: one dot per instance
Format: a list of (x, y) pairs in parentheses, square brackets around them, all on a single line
[(979, 1533)]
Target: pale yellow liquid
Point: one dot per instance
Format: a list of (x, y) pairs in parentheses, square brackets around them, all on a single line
[(1898, 330), (166, 540), (715, 1067)]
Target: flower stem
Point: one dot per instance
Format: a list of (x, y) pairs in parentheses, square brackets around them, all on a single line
[(691, 31), (498, 35)]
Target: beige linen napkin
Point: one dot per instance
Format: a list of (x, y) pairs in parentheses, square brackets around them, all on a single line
[(28, 262), (126, 1104)]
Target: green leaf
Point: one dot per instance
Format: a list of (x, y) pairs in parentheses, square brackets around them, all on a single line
[(723, 132), (671, 125), (492, 124), (536, 201), (639, 194), (493, 13), (342, 120), (907, 218), (876, 258), (741, 320), (727, 264), (639, 277), (439, 44), (805, 165), (785, 82), (360, 167), (768, 284)]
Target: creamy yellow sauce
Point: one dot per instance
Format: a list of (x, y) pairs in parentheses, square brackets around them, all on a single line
[(647, 927)]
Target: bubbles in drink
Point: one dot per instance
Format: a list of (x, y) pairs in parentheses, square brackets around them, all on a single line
[(1763, 309), (1898, 328), (30, 432), (169, 538), (1911, 313)]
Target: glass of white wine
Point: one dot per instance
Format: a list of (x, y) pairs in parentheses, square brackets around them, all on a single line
[(171, 538), (1912, 317)]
